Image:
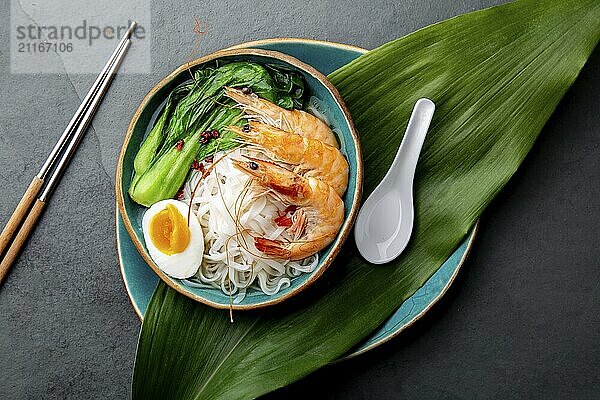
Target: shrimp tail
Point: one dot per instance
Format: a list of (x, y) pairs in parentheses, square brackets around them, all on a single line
[(274, 248)]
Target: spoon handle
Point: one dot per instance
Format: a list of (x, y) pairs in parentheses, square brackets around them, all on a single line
[(407, 156)]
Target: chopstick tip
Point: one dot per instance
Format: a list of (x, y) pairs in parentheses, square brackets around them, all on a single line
[(131, 28)]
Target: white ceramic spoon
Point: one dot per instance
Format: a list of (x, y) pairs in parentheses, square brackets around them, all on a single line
[(385, 221)]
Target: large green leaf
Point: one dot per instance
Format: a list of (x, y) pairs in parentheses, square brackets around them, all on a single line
[(496, 76)]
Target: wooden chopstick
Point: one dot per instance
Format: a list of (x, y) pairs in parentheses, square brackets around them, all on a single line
[(17, 216), (66, 146), (19, 240), (36, 184)]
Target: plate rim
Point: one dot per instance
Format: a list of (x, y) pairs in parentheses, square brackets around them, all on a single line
[(346, 227), (433, 302), (430, 305)]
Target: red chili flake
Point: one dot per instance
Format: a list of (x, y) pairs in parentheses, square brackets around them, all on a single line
[(203, 140), (179, 195), (283, 221), (215, 133), (179, 145), (196, 165), (209, 159)]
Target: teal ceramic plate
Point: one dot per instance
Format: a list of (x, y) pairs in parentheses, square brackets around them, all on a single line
[(140, 280)]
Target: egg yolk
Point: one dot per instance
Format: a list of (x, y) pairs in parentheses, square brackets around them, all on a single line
[(169, 231)]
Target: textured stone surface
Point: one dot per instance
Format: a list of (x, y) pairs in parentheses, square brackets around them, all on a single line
[(523, 319)]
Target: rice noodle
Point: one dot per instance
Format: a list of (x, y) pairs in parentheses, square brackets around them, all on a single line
[(231, 261)]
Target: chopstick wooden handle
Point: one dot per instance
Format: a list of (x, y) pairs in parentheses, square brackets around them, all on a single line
[(20, 212), (21, 238)]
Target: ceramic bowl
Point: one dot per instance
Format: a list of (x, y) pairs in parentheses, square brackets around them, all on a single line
[(330, 104)]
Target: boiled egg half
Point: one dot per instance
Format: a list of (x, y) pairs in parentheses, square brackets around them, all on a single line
[(175, 245)]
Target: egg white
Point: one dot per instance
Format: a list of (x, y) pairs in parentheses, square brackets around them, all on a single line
[(180, 265)]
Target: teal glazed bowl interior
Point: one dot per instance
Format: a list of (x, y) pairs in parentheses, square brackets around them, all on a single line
[(329, 103)]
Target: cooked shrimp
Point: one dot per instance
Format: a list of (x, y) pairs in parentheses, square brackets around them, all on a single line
[(310, 157), (297, 121), (318, 214)]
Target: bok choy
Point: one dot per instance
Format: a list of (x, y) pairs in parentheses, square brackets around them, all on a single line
[(164, 158)]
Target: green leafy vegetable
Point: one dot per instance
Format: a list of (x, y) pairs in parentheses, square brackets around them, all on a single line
[(290, 86), (190, 114), (496, 77), (197, 106), (156, 137)]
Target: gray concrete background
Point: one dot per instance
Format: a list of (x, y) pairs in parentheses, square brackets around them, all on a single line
[(522, 321)]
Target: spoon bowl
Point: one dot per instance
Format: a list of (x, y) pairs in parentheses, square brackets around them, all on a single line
[(385, 221)]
